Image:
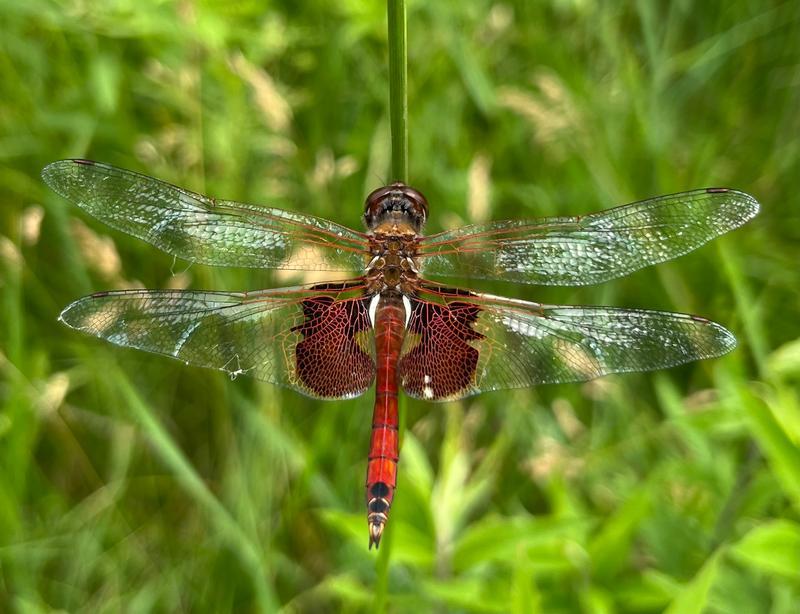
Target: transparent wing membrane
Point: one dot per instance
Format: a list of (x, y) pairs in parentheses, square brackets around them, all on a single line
[(573, 251), (319, 340), (316, 339), (201, 229), (460, 343)]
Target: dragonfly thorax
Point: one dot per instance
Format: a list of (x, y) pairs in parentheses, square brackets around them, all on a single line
[(392, 266)]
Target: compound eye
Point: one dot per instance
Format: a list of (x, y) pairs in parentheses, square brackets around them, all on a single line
[(418, 199), (375, 198)]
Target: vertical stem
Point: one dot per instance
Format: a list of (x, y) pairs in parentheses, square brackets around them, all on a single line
[(398, 88), (398, 114), (380, 601)]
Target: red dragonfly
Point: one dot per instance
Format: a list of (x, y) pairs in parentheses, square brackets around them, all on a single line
[(388, 322)]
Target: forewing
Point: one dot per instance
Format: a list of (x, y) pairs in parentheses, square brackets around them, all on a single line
[(315, 339), (574, 251), (202, 229), (460, 343)]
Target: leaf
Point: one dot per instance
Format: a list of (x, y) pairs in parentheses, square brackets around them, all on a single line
[(785, 361), (772, 438), (611, 548), (469, 594), (504, 539), (695, 596), (347, 588), (772, 548), (524, 594), (415, 464), (351, 525)]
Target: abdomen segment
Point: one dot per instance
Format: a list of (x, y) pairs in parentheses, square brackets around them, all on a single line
[(383, 449)]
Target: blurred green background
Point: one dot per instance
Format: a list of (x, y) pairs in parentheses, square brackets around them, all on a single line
[(129, 482)]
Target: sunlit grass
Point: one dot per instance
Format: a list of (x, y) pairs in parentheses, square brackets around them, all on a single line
[(130, 482)]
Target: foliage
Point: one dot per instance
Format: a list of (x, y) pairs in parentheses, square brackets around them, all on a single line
[(130, 482)]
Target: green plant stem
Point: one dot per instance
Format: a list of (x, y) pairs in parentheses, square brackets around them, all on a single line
[(398, 88), (398, 115)]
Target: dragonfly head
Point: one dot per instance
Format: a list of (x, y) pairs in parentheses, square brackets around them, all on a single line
[(396, 202)]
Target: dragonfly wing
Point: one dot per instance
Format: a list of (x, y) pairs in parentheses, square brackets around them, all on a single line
[(315, 339), (202, 229), (574, 251), (460, 343)]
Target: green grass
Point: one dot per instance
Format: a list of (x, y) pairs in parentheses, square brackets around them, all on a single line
[(129, 482)]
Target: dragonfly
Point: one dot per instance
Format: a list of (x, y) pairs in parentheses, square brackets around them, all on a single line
[(389, 321)]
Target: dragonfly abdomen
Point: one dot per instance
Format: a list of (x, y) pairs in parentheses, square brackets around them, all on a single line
[(390, 319)]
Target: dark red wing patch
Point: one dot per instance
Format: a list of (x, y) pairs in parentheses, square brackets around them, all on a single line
[(316, 339), (438, 361), (461, 343), (331, 361)]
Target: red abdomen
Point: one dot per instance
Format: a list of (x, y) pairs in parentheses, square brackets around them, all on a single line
[(383, 449)]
